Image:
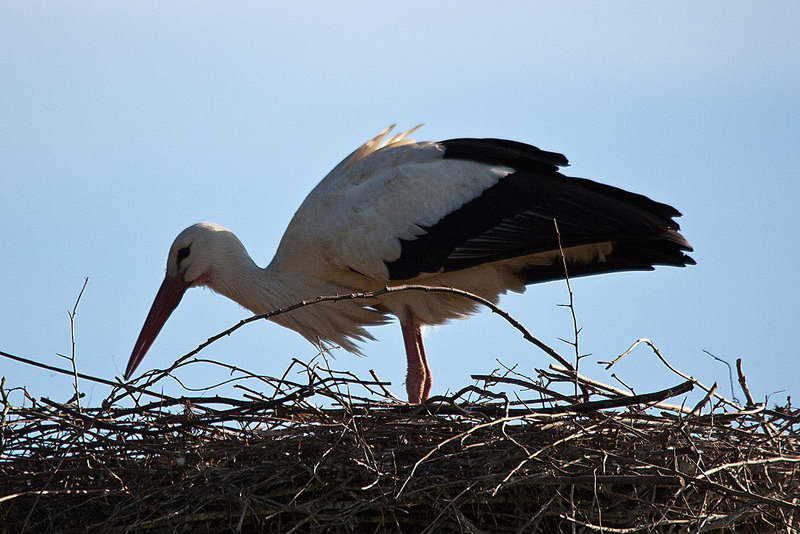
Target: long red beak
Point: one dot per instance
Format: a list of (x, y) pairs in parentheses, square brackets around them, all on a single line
[(167, 299)]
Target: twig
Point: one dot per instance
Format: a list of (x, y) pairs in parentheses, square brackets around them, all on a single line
[(730, 373), (743, 383), (704, 400), (4, 413), (618, 379), (743, 463), (492, 379), (383, 385), (570, 305), (72, 357)]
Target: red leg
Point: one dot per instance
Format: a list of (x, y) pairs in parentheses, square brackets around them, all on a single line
[(428, 385), (418, 380)]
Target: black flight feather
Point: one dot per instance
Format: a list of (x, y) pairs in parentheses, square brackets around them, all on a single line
[(515, 218)]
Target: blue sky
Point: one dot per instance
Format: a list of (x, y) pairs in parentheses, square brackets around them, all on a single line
[(123, 123)]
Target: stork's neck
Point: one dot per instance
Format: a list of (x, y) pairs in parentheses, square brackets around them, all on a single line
[(241, 280)]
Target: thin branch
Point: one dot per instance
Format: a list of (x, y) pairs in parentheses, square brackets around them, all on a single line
[(72, 357), (730, 373), (570, 305), (743, 383)]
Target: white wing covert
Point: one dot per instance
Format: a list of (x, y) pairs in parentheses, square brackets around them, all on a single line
[(357, 215)]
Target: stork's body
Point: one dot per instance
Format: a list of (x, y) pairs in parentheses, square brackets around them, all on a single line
[(474, 214)]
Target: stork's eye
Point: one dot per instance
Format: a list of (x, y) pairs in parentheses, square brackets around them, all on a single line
[(183, 254)]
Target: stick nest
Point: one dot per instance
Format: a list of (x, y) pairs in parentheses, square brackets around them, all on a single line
[(332, 452), (324, 450)]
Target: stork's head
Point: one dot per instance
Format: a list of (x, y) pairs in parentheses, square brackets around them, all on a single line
[(197, 257)]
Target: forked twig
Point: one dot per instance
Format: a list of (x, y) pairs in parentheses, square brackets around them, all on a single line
[(570, 305), (72, 356)]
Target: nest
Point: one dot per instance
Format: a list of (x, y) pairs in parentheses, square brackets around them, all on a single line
[(323, 450)]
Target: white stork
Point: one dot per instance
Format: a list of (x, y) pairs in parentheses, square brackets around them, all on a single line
[(473, 214)]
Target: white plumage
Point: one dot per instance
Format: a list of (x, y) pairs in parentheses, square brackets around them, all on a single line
[(466, 213)]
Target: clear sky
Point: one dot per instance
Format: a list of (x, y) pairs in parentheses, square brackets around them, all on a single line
[(123, 123)]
